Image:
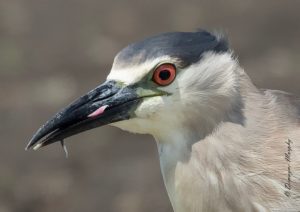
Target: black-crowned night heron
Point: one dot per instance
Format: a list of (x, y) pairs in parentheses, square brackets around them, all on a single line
[(224, 145)]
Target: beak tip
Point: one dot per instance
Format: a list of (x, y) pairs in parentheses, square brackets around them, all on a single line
[(30, 144)]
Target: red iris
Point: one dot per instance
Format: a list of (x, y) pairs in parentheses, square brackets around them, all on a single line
[(164, 74)]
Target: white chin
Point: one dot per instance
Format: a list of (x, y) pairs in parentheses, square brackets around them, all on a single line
[(132, 125)]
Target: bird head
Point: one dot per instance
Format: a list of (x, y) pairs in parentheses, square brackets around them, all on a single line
[(162, 83)]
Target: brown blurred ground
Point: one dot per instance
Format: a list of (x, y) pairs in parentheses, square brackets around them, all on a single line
[(52, 51)]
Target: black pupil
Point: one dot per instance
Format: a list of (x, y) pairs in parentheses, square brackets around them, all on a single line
[(164, 74)]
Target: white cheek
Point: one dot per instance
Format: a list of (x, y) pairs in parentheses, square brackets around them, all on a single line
[(150, 107), (146, 114)]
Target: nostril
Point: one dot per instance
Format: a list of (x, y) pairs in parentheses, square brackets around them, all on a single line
[(103, 97)]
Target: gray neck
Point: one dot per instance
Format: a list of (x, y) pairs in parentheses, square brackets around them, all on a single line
[(174, 149), (179, 151)]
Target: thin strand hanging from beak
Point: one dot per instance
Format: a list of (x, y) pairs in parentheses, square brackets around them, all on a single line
[(63, 145)]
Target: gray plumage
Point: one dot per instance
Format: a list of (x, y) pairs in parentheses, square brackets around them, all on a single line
[(224, 145), (222, 141)]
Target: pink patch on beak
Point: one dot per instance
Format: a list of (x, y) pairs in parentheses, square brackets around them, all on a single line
[(98, 112)]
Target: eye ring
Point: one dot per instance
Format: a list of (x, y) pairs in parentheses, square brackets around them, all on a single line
[(164, 74)]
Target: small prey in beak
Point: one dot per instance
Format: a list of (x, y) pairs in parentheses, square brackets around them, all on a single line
[(108, 103)]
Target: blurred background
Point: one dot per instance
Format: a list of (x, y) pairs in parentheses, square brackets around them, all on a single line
[(52, 51)]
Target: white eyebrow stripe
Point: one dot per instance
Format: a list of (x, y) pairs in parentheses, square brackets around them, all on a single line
[(132, 74), (127, 76)]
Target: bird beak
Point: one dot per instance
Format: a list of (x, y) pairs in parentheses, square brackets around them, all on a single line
[(107, 103)]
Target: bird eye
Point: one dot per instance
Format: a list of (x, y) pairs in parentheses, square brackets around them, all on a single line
[(164, 74)]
